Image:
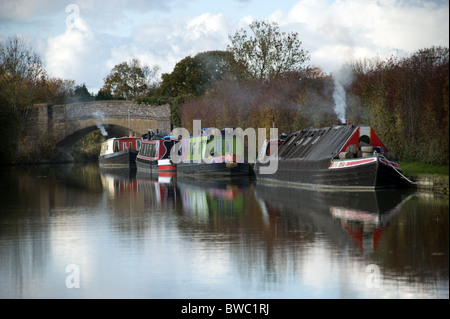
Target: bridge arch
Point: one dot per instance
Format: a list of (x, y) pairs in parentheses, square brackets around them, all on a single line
[(64, 146), (71, 139), (70, 122)]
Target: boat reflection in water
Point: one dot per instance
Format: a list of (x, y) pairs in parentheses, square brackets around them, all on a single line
[(240, 238), (205, 199), (118, 180), (158, 191), (365, 216), (356, 217), (136, 191)]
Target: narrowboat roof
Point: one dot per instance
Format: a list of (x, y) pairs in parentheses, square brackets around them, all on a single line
[(326, 143)]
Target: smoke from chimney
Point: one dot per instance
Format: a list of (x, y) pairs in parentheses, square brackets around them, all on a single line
[(342, 80), (99, 116)]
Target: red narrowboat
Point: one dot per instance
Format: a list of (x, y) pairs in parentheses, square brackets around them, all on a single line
[(153, 157), (119, 152)]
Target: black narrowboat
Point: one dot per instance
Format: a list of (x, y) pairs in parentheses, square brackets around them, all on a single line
[(342, 156)]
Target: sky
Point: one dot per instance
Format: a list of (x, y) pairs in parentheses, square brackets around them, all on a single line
[(83, 40)]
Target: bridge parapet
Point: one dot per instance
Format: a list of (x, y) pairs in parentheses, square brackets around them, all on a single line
[(109, 109)]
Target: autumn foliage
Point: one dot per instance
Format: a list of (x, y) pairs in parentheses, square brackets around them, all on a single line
[(404, 99)]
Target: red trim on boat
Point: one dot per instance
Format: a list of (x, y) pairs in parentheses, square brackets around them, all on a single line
[(167, 168), (341, 164)]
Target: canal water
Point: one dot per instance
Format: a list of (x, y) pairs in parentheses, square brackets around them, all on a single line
[(70, 231)]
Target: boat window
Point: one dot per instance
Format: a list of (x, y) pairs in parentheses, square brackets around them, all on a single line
[(307, 140), (138, 144), (116, 146), (153, 150), (315, 139), (131, 145), (291, 139), (299, 142), (193, 148), (124, 145)]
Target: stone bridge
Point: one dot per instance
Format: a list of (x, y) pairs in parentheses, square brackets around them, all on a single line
[(70, 122)]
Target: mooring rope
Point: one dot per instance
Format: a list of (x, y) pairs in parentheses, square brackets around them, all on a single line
[(403, 176)]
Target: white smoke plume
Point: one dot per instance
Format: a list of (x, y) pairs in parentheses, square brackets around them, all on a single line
[(342, 80), (99, 117)]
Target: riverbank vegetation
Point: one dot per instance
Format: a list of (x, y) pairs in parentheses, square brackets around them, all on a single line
[(419, 169), (263, 77)]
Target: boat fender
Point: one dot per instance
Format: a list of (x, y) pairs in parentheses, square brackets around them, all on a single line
[(367, 149), (345, 155), (352, 148)]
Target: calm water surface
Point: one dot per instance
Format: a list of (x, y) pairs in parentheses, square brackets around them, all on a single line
[(79, 232)]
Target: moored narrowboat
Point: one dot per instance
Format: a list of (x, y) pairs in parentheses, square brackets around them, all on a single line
[(213, 153), (119, 152), (154, 155), (344, 156)]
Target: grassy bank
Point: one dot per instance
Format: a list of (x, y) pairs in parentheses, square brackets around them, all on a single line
[(429, 177), (417, 169)]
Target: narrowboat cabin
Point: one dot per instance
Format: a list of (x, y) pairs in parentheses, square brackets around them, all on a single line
[(119, 152), (344, 157), (213, 153), (154, 155)]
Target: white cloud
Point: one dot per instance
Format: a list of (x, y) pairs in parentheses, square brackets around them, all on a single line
[(163, 33), (206, 32), (168, 41), (74, 54), (411, 27), (345, 30)]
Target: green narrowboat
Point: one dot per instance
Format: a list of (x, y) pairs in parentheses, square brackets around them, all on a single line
[(214, 152)]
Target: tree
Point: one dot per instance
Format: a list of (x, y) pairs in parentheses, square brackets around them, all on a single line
[(21, 71), (103, 95), (59, 91), (269, 52), (406, 100), (81, 94), (184, 79), (129, 80), (22, 83), (195, 75)]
